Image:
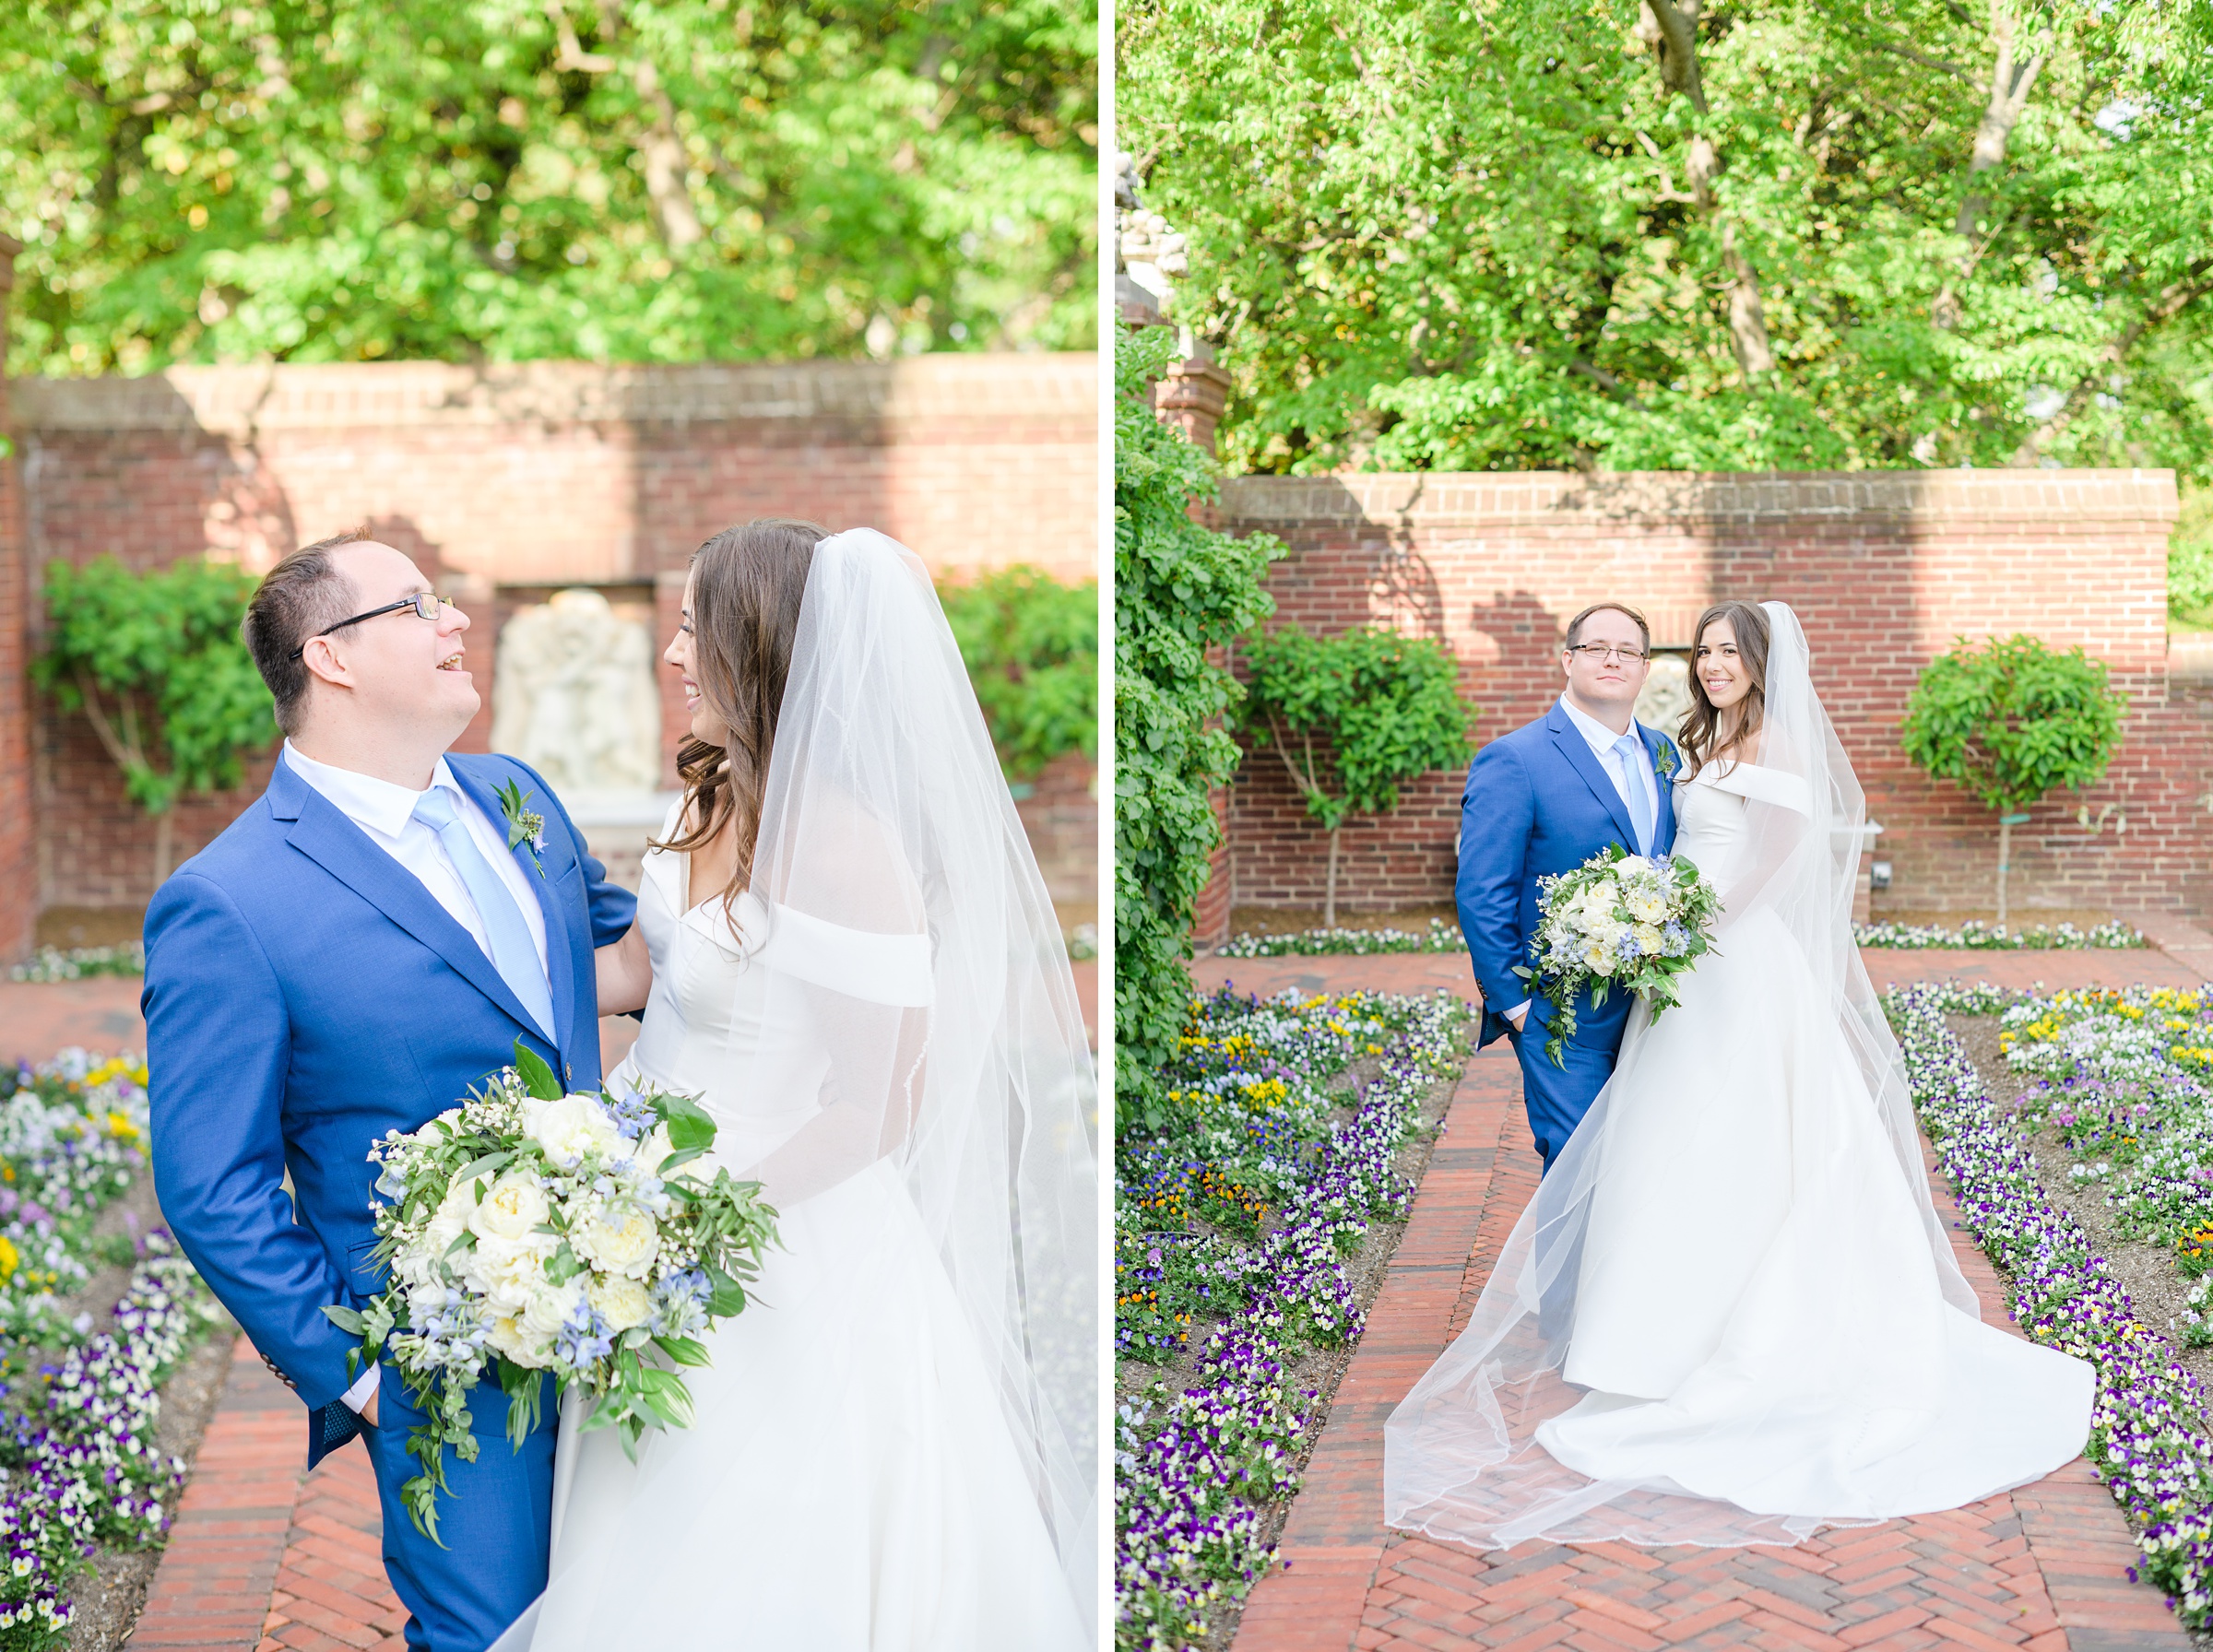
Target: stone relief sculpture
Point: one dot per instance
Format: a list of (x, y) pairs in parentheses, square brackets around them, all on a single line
[(1666, 695), (573, 696)]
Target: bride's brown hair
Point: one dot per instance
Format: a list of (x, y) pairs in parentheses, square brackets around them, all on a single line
[(1701, 723), (746, 587)]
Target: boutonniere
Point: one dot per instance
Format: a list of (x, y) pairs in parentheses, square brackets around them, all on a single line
[(524, 826), (1665, 759)]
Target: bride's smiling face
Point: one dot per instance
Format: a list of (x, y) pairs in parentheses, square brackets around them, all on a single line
[(704, 726), (1721, 670)]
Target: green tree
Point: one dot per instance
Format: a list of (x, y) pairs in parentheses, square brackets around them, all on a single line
[(1031, 648), (1352, 716), (2010, 720), (1607, 234), (1180, 590), (2190, 560), (155, 663), (501, 179)]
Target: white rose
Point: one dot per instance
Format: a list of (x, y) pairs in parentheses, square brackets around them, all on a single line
[(627, 1246), (508, 1336), (1598, 959), (1649, 940), (573, 1125), (512, 1208), (431, 1132), (653, 1148), (1649, 905), (550, 1307), (622, 1302), (450, 1218), (508, 1271)]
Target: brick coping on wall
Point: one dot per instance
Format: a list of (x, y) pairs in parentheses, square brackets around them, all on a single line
[(260, 399), (1439, 499)]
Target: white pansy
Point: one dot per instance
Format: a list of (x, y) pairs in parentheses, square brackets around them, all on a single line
[(573, 1125), (515, 1204), (621, 1242), (622, 1301)]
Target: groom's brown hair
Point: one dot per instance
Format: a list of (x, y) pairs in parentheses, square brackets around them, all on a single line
[(746, 587), (303, 597)]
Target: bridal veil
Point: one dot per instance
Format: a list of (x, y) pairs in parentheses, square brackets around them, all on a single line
[(1461, 1457), (896, 913)]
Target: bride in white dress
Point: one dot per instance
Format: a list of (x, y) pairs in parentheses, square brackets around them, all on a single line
[(1730, 1315), (893, 1449)]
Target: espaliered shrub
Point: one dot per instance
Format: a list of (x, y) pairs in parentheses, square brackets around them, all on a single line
[(1031, 648)]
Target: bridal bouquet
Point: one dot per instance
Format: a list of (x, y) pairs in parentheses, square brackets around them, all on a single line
[(530, 1231), (1624, 920)]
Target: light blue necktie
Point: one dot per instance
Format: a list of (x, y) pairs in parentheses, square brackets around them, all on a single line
[(513, 953), (1630, 750)]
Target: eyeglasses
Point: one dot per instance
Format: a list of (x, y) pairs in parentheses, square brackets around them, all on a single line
[(1598, 653), (427, 607)]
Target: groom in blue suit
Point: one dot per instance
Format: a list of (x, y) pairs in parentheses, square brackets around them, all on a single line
[(1544, 799), (354, 952)]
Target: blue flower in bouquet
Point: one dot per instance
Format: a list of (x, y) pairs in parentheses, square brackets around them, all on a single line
[(633, 1115), (584, 1336)]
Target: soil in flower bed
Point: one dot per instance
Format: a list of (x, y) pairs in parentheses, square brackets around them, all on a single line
[(2145, 1267), (106, 1603), (1321, 1369)]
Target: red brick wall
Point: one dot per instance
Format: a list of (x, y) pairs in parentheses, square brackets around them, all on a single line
[(18, 892), (506, 480), (1885, 569)]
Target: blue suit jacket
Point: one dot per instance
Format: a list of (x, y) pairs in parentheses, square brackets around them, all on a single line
[(1539, 802), (304, 994)]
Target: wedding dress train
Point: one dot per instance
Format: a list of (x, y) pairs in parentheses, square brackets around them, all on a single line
[(1729, 1314)]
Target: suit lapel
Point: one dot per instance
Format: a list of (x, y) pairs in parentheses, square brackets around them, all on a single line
[(326, 836), (1584, 762), (1663, 829), (561, 969)]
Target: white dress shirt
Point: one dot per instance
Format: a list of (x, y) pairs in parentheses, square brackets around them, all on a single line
[(1601, 741), (385, 813)]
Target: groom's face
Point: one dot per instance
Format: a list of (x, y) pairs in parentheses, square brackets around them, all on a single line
[(1600, 672), (403, 670)]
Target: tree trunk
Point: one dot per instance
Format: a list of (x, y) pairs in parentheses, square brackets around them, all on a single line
[(2010, 84), (1672, 29), (1328, 898)]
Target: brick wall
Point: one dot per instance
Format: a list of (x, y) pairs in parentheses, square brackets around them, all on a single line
[(1885, 569), (18, 893), (504, 482)]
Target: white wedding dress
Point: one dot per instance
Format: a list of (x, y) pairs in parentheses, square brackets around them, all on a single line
[(1729, 1314), (885, 1455)]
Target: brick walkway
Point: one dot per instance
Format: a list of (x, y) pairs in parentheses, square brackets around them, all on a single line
[(2043, 1568)]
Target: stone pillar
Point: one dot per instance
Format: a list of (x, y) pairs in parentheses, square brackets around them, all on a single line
[(1193, 393), (18, 868)]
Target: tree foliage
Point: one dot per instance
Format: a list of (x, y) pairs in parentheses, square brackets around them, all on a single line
[(1621, 234), (2009, 721), (1352, 716), (612, 180), (155, 663), (1180, 590), (1031, 648)]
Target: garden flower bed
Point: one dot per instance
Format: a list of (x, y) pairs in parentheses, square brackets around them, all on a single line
[(1235, 1218), (2097, 1056), (81, 1468), (1976, 936), (52, 964), (1441, 937)]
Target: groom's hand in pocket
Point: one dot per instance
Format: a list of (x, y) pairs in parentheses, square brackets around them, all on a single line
[(1519, 1017), (369, 1411)]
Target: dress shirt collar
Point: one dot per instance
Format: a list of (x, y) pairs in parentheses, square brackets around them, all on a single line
[(1601, 739), (367, 801)]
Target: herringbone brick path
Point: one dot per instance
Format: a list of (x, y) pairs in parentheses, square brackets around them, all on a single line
[(2043, 1568), (264, 1556)]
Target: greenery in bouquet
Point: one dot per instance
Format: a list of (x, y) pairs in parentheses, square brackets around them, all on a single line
[(1631, 921), (528, 1231)]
